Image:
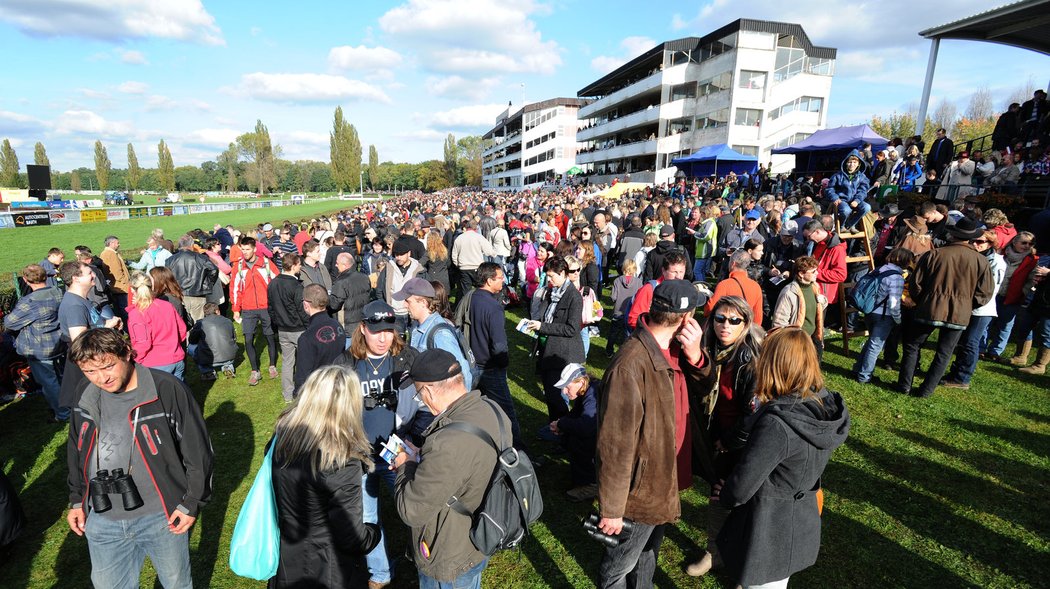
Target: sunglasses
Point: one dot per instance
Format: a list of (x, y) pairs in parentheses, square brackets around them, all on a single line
[(979, 241), (574, 270), (731, 320)]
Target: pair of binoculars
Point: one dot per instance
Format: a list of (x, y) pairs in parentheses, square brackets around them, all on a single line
[(105, 483), (590, 525)]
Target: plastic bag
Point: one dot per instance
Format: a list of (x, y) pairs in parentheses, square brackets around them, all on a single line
[(255, 548)]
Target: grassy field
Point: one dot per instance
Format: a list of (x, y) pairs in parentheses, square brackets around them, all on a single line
[(950, 491), (27, 245)]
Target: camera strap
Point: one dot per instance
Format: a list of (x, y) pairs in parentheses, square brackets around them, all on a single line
[(134, 437)]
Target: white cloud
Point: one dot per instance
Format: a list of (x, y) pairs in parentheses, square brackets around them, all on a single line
[(307, 88), (212, 138), (131, 87), (85, 122), (13, 122), (474, 37), (461, 88), (133, 57), (200, 105), (158, 102), (92, 93), (363, 58), (632, 47), (467, 117), (114, 20)]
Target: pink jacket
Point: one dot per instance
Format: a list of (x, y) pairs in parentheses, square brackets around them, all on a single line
[(156, 334)]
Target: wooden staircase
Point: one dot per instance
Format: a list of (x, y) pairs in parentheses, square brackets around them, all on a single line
[(868, 230)]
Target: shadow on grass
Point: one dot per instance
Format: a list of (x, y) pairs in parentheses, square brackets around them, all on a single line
[(1029, 440), (1039, 417), (933, 519)]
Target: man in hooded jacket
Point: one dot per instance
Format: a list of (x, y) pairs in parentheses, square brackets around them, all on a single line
[(848, 190)]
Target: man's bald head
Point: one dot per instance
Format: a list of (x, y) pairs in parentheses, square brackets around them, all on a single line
[(343, 261)]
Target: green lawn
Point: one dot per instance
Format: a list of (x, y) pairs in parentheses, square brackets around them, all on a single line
[(945, 492), (26, 245)]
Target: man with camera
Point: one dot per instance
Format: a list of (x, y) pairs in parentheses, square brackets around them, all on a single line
[(140, 463), (644, 445)]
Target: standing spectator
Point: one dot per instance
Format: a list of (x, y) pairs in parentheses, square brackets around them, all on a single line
[(705, 236), (117, 275), (432, 330), (452, 466), (195, 274), (313, 271), (738, 284), (39, 340), (283, 245), (847, 192), (394, 276), (606, 234), (948, 283), (287, 314), (830, 253), (654, 259), (213, 249), (319, 344), (801, 304), (1007, 128), (340, 246), (644, 420), (250, 304), (624, 289), (792, 437), (942, 150), (488, 342), (157, 332), (351, 291), (375, 256), (958, 176), (437, 259), (50, 264), (589, 272), (886, 315), (561, 315), (76, 314), (154, 255), (320, 454), (1020, 259), (968, 351), (1031, 113), (173, 476), (213, 343), (165, 287), (469, 250), (673, 269)]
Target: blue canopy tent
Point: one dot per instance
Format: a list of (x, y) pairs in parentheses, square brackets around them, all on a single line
[(716, 159), (824, 150)]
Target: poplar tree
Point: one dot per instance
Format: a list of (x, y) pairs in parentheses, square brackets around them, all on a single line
[(102, 166), (8, 166)]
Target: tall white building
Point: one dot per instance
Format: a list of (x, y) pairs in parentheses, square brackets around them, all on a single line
[(752, 84), (531, 145)]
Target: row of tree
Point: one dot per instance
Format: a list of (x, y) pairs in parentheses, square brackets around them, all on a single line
[(253, 163)]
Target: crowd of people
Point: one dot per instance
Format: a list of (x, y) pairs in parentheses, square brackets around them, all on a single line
[(714, 296)]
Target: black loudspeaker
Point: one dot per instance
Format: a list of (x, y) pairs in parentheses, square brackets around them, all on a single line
[(39, 177)]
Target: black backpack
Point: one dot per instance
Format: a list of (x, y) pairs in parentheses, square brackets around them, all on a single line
[(512, 499)]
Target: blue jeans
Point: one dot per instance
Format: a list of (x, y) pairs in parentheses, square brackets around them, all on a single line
[(378, 560), (879, 328), (178, 369), (468, 580), (46, 373), (493, 384), (700, 268), (1033, 328), (852, 216), (1001, 328), (119, 547), (969, 349), (632, 563)]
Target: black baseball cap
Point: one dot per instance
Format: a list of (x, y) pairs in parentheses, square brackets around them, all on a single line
[(378, 316), (434, 365), (675, 296)]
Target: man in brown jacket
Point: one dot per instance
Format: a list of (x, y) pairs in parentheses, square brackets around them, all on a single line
[(644, 436), (117, 275), (948, 283)]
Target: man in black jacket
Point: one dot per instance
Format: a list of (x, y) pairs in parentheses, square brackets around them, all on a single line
[(143, 428), (654, 260), (323, 340), (195, 274), (942, 152), (351, 291), (285, 296)]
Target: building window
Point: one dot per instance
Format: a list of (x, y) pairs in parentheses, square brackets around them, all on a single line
[(752, 79), (715, 84), (679, 126), (749, 117), (791, 140), (751, 150), (714, 119), (803, 103), (687, 90)]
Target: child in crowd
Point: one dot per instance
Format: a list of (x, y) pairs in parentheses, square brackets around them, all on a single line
[(624, 288)]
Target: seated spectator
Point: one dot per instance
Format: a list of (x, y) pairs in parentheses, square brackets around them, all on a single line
[(213, 344), (847, 191)]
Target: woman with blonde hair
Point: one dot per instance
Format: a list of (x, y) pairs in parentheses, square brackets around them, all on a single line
[(320, 455), (436, 263), (156, 330), (773, 530)]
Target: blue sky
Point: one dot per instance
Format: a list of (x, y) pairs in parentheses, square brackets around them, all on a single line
[(198, 73)]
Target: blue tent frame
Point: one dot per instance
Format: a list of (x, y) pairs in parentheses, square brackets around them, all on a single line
[(716, 159)]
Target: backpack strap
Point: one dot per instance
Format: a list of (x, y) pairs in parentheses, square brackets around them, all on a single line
[(453, 502)]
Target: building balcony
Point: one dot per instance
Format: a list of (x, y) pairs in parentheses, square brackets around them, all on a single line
[(635, 119), (640, 87), (618, 152), (499, 143)]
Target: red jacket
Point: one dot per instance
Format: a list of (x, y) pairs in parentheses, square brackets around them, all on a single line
[(562, 223), (1015, 290), (831, 267), (248, 287)]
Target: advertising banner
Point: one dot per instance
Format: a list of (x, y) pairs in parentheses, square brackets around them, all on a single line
[(138, 212), (6, 221), (117, 214), (32, 219), (181, 210), (64, 217), (92, 216)]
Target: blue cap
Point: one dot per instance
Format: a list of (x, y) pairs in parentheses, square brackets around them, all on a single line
[(753, 214)]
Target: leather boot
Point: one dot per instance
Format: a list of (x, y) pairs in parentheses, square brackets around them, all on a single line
[(1021, 357), (1042, 359)]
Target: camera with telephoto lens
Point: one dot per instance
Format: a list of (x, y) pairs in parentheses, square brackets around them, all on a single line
[(106, 483), (386, 399), (590, 525)]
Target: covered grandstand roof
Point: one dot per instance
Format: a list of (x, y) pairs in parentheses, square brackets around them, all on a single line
[(1024, 24)]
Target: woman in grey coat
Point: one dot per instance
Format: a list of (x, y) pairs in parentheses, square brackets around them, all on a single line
[(774, 491)]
